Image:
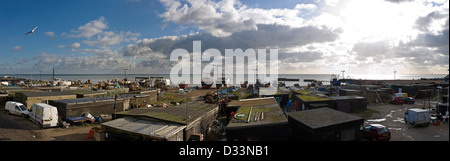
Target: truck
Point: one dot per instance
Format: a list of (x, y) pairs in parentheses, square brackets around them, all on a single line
[(44, 115), (417, 116), (16, 108)]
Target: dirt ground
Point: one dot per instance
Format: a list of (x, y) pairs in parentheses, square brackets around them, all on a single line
[(392, 116), (15, 128)]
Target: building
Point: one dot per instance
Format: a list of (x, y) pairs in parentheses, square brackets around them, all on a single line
[(197, 117), (281, 94), (128, 128), (311, 101), (94, 106), (88, 93), (30, 98), (324, 124), (349, 92), (352, 104), (270, 124)]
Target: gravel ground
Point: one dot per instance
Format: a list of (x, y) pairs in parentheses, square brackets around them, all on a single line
[(392, 116)]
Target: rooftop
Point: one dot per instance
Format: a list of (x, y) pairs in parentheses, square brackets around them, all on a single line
[(44, 94), (322, 117), (312, 98), (144, 127), (176, 114), (270, 108)]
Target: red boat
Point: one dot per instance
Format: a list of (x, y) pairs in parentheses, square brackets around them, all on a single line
[(183, 85)]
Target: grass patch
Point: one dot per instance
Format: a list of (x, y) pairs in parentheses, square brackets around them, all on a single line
[(367, 113)]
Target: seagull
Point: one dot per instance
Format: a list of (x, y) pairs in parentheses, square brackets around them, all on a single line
[(32, 31)]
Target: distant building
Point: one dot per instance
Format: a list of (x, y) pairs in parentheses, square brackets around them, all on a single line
[(324, 124), (30, 98)]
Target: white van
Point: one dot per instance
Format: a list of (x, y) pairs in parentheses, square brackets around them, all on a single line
[(417, 117), (16, 108), (44, 115)]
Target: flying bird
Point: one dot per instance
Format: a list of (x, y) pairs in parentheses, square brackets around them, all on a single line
[(32, 31)]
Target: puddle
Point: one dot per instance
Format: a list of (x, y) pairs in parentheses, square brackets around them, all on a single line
[(399, 120), (412, 139), (377, 120), (397, 129)]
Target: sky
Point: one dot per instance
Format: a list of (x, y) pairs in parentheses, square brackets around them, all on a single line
[(312, 36)]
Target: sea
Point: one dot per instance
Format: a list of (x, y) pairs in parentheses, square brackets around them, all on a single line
[(95, 78)]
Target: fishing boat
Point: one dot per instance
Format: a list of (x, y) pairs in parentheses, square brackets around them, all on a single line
[(334, 80), (207, 83), (183, 85)]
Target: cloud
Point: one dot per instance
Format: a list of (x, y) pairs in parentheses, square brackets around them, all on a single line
[(17, 48), (223, 18), (305, 6), (90, 29), (74, 45), (96, 34), (50, 34), (112, 38), (267, 36)]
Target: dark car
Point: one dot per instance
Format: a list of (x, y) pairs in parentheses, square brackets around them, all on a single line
[(376, 132), (409, 100)]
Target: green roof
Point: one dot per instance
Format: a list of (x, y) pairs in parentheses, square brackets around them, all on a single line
[(312, 98)]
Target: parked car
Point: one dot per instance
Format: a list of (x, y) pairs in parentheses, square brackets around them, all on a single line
[(409, 100), (397, 100), (376, 132), (417, 116), (44, 115), (16, 108)]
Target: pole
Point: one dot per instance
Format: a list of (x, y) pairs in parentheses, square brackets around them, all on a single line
[(125, 70)]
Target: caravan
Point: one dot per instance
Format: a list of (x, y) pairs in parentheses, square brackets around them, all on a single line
[(44, 115)]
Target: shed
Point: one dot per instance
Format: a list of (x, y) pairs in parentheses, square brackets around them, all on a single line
[(351, 104), (324, 124), (349, 92), (196, 116), (95, 106), (311, 101), (30, 98), (143, 130), (88, 93), (273, 126), (281, 94)]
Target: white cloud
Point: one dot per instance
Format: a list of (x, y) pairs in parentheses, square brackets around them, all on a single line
[(50, 34), (305, 6), (112, 38), (90, 29), (223, 18), (74, 45), (17, 48)]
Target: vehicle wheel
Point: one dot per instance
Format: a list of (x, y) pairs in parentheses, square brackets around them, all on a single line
[(7, 112), (405, 120)]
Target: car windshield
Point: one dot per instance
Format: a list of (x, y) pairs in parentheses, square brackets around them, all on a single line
[(22, 107), (383, 130)]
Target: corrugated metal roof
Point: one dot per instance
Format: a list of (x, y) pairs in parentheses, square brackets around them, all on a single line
[(144, 127)]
